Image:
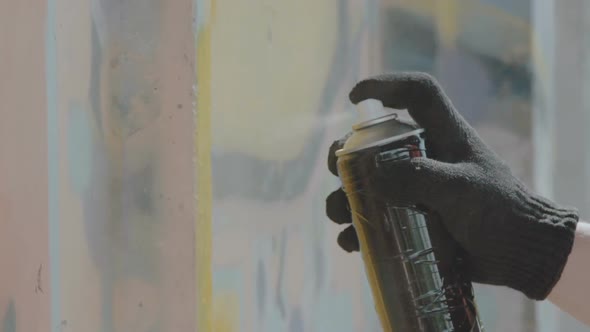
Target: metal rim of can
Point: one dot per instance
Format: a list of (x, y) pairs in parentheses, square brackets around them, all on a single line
[(375, 121), (342, 152)]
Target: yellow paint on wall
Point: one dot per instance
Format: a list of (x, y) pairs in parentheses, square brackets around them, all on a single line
[(203, 175), (226, 312), (446, 18), (271, 60)]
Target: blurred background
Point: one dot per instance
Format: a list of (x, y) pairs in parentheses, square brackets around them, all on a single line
[(163, 163)]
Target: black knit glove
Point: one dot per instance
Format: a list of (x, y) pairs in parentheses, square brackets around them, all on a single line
[(510, 236)]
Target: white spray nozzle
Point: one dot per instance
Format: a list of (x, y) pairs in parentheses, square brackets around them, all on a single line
[(371, 109)]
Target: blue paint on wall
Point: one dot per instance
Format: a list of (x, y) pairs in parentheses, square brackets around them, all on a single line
[(9, 319), (296, 323), (53, 131), (79, 147), (521, 9), (230, 280), (260, 288), (334, 305)]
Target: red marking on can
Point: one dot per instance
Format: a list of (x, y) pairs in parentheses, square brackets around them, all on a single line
[(414, 151)]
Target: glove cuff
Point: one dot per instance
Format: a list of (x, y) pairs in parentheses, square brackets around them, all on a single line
[(532, 254)]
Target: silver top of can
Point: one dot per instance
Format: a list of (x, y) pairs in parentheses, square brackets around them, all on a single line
[(378, 126)]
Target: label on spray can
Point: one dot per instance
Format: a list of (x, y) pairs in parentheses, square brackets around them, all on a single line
[(412, 263)]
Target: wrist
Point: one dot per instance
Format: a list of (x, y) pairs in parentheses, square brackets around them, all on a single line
[(532, 250)]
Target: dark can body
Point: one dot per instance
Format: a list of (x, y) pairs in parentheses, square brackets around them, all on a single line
[(412, 263)]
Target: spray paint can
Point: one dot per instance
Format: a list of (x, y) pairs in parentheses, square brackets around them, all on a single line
[(412, 264)]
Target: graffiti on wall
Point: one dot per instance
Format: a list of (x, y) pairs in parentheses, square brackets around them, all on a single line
[(279, 88), (287, 69)]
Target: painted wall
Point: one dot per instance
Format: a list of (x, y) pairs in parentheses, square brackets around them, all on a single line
[(97, 203), (162, 163), (279, 77), (24, 262), (120, 78)]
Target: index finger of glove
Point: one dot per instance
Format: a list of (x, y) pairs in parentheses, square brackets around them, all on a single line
[(424, 99), (332, 159)]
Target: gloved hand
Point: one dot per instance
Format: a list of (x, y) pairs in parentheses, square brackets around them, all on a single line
[(511, 236)]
